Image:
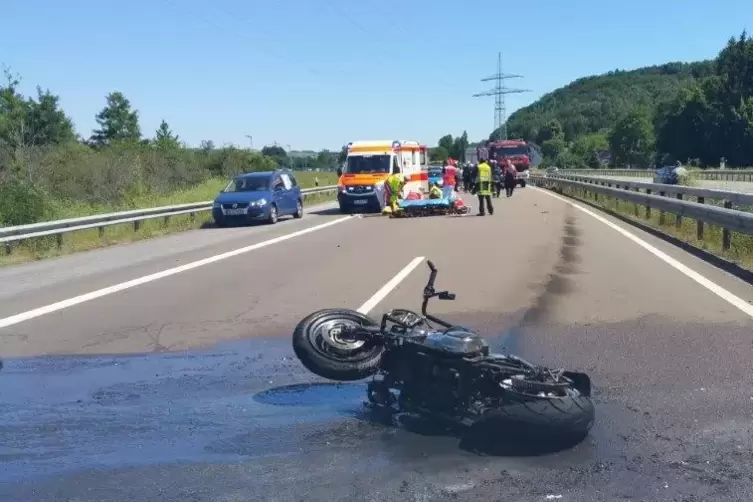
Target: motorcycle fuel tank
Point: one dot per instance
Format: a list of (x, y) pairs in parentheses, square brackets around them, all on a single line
[(456, 341)]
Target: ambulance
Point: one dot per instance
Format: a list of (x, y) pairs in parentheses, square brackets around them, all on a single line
[(369, 163)]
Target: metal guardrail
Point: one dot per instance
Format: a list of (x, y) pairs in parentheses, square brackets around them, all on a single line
[(745, 175), (9, 235), (659, 197)]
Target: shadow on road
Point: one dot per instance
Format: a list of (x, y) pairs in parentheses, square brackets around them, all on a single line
[(492, 439), (210, 225), (328, 211)]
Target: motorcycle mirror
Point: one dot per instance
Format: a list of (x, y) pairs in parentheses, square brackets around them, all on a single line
[(446, 295), (431, 266)]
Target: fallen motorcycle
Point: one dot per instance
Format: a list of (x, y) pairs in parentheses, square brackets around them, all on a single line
[(447, 373)]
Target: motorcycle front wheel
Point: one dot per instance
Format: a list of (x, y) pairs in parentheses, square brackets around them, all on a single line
[(318, 342)]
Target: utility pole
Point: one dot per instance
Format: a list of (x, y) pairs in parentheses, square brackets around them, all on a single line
[(250, 141), (499, 91)]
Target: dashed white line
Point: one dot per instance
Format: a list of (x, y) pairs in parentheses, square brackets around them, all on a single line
[(54, 307), (385, 290)]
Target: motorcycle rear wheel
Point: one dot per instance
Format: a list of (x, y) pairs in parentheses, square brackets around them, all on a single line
[(570, 417), (317, 345)]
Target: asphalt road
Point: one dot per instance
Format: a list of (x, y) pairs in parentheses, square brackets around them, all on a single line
[(184, 387)]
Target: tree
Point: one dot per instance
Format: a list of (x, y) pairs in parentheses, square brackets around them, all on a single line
[(117, 122), (458, 146), (446, 142), (277, 153), (164, 137), (632, 140), (498, 133), (595, 103), (439, 154), (551, 130), (29, 122), (552, 148)]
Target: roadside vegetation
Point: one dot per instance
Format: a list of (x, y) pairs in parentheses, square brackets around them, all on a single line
[(697, 113), (49, 171)]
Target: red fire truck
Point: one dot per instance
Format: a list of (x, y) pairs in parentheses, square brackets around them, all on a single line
[(523, 155)]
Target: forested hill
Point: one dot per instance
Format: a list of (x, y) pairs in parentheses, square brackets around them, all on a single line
[(594, 104)]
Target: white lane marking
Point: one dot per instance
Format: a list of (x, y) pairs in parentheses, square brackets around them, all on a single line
[(53, 307), (719, 291), (385, 290)]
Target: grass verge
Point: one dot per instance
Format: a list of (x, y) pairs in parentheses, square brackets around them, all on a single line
[(85, 240), (741, 246)]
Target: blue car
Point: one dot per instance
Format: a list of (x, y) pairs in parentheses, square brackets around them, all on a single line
[(435, 175), (263, 196)]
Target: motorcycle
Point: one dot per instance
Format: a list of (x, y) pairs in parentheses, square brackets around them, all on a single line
[(445, 373)]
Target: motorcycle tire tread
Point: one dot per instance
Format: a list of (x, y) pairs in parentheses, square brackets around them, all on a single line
[(330, 368), (566, 417)]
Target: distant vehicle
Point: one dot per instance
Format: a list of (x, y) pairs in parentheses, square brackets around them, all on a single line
[(522, 178), (552, 170), (435, 175), (262, 196), (521, 153), (669, 175), (367, 166)]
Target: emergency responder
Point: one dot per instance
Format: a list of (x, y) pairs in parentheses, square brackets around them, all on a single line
[(483, 187), (435, 192), (394, 190), (496, 178), (467, 177)]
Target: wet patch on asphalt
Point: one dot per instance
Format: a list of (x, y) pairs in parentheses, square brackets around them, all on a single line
[(244, 421)]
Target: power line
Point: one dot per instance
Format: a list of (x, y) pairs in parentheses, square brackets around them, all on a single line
[(264, 47), (499, 91)]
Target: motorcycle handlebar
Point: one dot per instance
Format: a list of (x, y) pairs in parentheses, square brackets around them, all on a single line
[(430, 292)]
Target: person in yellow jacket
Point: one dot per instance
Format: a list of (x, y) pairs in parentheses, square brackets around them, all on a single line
[(435, 192), (483, 187), (394, 191)]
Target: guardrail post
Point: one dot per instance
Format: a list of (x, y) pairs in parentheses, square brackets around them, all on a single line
[(678, 218), (166, 220), (192, 216), (699, 223), (59, 239), (726, 237), (101, 232), (648, 206), (635, 206), (8, 248), (662, 216), (136, 225)]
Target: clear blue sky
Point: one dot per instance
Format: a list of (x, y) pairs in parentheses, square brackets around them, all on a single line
[(316, 74)]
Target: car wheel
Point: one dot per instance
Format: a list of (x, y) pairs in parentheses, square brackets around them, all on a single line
[(272, 219), (298, 210), (523, 184)]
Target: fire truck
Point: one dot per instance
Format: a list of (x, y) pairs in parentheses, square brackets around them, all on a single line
[(523, 155)]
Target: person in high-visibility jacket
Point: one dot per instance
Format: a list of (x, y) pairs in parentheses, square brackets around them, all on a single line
[(394, 188), (483, 187), (435, 192)]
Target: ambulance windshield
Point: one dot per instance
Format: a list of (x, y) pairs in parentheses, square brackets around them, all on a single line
[(368, 164)]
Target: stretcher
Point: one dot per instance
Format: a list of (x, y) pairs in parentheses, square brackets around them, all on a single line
[(407, 208)]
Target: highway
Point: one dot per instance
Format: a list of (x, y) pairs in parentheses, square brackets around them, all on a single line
[(730, 186), (162, 370)]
